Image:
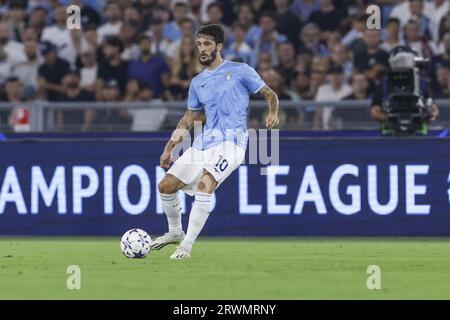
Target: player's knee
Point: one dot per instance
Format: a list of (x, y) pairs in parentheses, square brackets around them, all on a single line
[(207, 183), (201, 186), (165, 187)]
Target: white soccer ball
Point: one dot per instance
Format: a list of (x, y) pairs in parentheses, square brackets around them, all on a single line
[(135, 243)]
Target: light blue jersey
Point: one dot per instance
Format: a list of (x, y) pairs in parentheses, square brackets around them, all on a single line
[(224, 94)]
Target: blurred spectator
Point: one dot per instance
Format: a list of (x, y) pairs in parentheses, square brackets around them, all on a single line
[(360, 91), (6, 65), (320, 64), (111, 119), (416, 41), (269, 38), (440, 84), (89, 70), (72, 119), (13, 49), (360, 87), (261, 6), (286, 54), (239, 50), (60, 36), (132, 90), (435, 10), (13, 91), (184, 67), (132, 15), (145, 92), (304, 8), (334, 90), (371, 59), (29, 34), (402, 12), (310, 40), (12, 94), (160, 44), (113, 14), (246, 18), (172, 29), (441, 59), (393, 35), (327, 18), (89, 39), (300, 85), (127, 35), (416, 9), (357, 30), (51, 72), (16, 19), (38, 19), (287, 22), (340, 56), (196, 12), (27, 71), (215, 16), (49, 5), (413, 9), (264, 62), (151, 69), (444, 26), (187, 30), (113, 66), (144, 10)]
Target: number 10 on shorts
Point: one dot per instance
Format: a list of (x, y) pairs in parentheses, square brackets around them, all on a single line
[(221, 164)]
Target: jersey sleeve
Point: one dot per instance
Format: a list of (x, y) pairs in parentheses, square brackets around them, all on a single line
[(251, 80), (193, 103)]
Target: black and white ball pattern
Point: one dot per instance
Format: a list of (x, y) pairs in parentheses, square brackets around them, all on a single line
[(135, 243)]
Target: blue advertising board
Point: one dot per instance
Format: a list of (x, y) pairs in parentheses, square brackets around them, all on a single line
[(320, 187)]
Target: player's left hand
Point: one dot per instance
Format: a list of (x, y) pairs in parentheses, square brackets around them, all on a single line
[(272, 120)]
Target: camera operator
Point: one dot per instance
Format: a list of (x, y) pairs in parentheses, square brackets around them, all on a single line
[(402, 102)]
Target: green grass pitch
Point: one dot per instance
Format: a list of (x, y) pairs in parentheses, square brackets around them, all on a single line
[(228, 268)]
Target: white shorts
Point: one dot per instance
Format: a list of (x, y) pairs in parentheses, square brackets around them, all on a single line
[(220, 161)]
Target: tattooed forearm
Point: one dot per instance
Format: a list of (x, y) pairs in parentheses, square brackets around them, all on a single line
[(271, 98)]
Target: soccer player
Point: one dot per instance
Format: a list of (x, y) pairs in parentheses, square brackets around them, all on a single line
[(221, 94)]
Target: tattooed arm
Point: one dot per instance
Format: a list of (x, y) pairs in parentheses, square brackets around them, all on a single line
[(185, 125), (272, 99)]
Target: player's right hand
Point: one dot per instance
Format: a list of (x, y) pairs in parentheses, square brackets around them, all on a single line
[(272, 120), (165, 160)]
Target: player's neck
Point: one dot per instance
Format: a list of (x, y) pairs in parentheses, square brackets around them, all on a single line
[(215, 64)]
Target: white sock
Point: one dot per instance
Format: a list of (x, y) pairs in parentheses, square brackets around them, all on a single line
[(197, 218), (172, 208)]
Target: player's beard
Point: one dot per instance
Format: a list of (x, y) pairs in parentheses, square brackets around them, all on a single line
[(210, 60)]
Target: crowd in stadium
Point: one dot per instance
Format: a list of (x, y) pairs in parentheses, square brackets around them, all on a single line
[(138, 50)]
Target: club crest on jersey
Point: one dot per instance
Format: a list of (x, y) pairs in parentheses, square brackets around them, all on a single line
[(228, 75)]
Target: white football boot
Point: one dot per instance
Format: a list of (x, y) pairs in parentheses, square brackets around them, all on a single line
[(167, 238), (181, 253)]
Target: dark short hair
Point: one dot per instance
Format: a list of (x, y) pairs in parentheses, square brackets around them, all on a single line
[(186, 19), (115, 42), (213, 30), (214, 4), (393, 20), (143, 36), (268, 14), (12, 79), (180, 4), (111, 2)]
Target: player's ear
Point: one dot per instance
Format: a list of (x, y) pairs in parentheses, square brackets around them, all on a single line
[(220, 46)]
